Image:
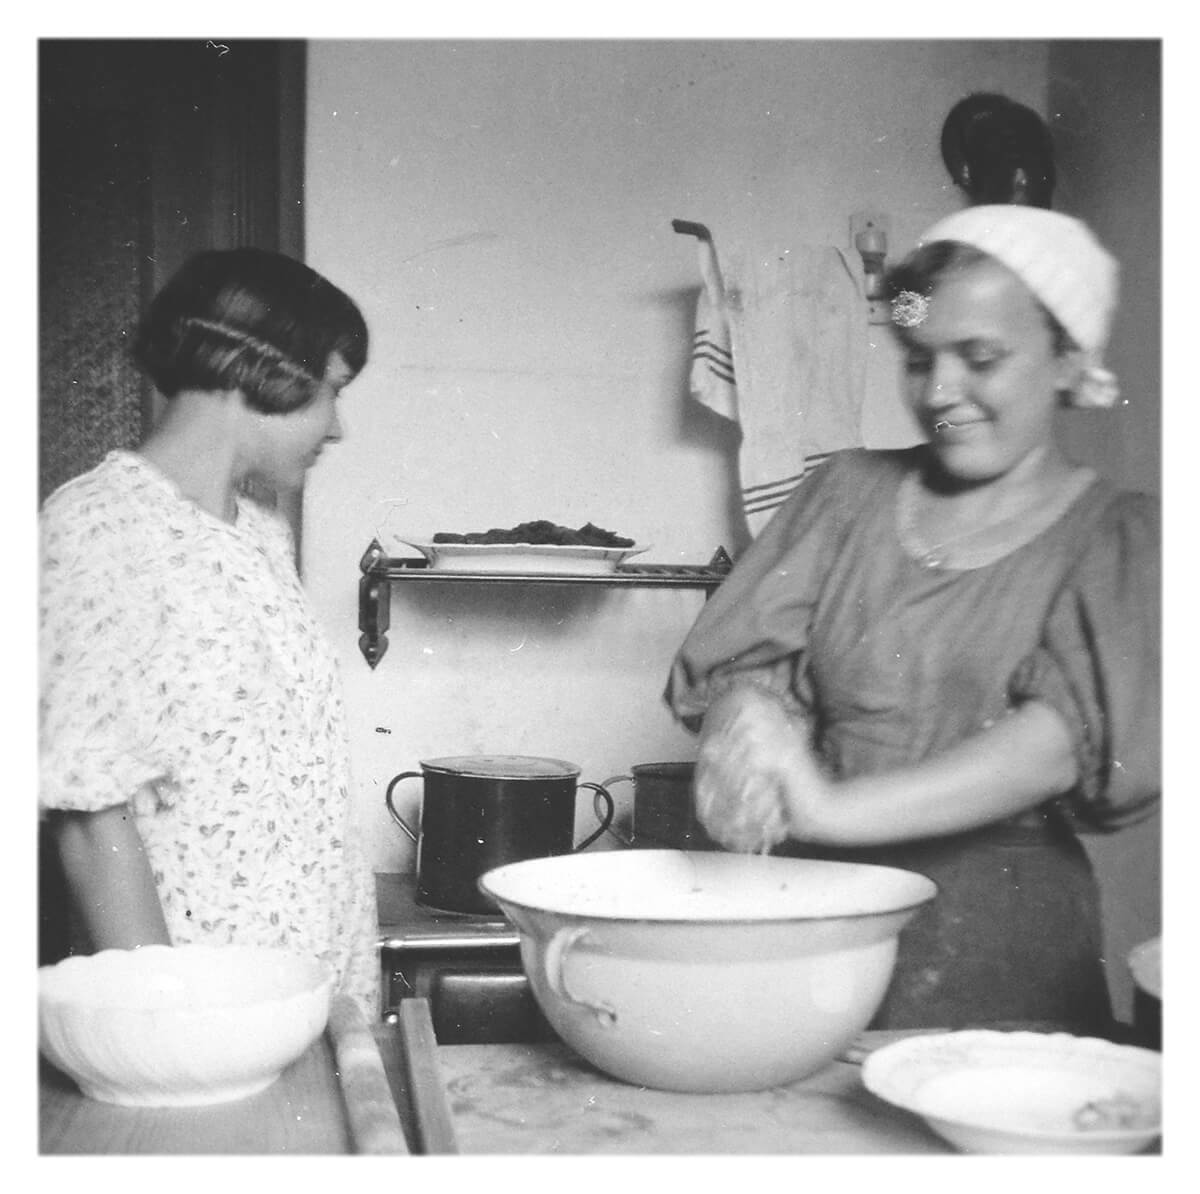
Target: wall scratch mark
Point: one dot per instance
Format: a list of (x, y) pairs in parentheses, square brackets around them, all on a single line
[(453, 242)]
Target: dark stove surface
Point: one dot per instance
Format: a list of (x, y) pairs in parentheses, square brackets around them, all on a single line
[(405, 924)]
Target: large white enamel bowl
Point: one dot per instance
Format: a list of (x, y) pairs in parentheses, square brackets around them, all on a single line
[(706, 971), (1024, 1092), (165, 1026)]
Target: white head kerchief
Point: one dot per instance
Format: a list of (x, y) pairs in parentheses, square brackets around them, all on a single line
[(1062, 262)]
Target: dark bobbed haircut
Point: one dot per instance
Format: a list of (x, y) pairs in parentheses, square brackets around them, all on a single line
[(248, 320), (994, 136), (928, 265)]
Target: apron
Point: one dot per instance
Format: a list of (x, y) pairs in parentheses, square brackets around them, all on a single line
[(1014, 933)]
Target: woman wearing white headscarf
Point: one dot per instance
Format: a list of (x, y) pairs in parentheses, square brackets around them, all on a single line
[(946, 657)]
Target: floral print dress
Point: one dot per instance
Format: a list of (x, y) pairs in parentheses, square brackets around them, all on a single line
[(183, 672)]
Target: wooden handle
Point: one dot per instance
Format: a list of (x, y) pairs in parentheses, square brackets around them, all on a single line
[(435, 1126), (370, 1108)]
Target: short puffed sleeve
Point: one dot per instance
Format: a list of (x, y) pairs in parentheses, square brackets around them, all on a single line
[(98, 615), (755, 627), (1098, 664)]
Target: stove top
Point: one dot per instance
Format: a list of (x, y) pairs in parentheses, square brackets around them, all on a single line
[(405, 924)]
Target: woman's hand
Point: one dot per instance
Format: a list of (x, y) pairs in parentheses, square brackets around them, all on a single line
[(757, 781)]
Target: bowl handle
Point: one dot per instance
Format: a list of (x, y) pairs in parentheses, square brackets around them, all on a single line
[(553, 962)]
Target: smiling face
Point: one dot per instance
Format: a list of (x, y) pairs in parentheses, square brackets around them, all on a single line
[(983, 374), (287, 445)]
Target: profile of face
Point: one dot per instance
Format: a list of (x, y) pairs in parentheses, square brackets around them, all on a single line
[(983, 373), (286, 446)]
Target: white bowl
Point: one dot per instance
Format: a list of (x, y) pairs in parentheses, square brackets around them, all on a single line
[(165, 1026), (706, 971), (1024, 1092), (1145, 964)]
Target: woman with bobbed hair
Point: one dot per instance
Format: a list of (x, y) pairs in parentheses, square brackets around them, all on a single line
[(946, 657), (194, 763), (251, 320)]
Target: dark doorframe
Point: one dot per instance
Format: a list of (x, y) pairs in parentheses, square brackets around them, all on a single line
[(148, 151)]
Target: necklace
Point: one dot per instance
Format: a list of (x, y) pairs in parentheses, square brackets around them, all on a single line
[(984, 544)]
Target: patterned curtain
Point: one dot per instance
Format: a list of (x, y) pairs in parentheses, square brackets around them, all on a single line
[(93, 205)]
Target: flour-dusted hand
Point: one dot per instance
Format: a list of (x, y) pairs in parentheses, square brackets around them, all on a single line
[(756, 778)]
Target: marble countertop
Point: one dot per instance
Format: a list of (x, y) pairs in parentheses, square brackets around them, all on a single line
[(536, 1099), (542, 1099)]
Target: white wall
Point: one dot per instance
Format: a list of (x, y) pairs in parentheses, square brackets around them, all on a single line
[(501, 210)]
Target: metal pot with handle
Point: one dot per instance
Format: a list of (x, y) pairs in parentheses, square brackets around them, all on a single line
[(664, 812), (482, 811)]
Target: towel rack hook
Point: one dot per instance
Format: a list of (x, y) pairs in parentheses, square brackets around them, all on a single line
[(691, 228)]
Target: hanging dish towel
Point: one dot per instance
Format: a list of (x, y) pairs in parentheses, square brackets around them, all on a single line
[(780, 348)]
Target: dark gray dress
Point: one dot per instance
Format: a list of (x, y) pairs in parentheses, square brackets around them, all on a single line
[(895, 660)]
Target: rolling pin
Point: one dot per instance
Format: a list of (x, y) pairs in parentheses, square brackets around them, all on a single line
[(370, 1108)]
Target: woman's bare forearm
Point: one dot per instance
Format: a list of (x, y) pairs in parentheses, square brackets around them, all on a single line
[(1013, 766), (109, 879)]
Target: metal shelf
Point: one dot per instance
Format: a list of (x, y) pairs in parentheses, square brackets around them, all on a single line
[(380, 571)]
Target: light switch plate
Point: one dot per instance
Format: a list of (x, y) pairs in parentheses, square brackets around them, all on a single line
[(861, 221), (867, 220)]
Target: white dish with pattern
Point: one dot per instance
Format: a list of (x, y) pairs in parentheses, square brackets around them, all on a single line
[(1024, 1092)]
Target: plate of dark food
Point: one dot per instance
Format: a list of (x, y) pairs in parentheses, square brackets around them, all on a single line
[(539, 547)]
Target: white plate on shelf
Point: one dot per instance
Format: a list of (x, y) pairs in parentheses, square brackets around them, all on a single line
[(1023, 1092), (539, 559)]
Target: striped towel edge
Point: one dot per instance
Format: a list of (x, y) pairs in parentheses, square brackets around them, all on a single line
[(756, 499)]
